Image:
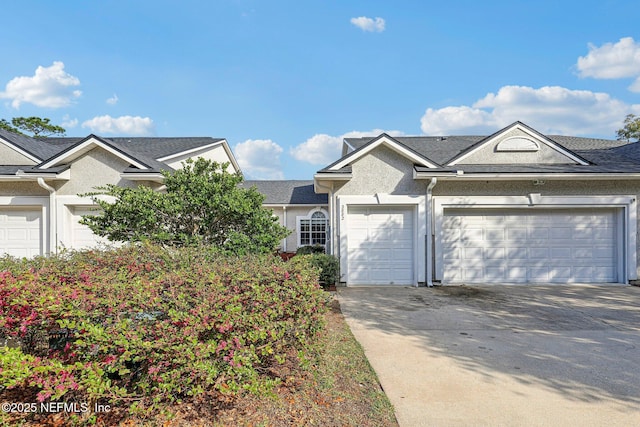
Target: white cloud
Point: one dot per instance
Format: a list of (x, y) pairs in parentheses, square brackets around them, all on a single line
[(68, 122), (613, 61), (49, 87), (113, 100), (323, 149), (123, 125), (549, 109), (259, 159), (369, 24)]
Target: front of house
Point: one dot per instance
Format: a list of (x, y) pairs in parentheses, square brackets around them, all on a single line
[(513, 207)]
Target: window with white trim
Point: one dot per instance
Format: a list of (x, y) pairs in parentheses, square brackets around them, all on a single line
[(312, 230)]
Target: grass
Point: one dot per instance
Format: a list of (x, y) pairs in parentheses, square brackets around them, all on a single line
[(340, 390)]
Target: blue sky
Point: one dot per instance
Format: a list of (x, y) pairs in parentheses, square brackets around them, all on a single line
[(285, 81)]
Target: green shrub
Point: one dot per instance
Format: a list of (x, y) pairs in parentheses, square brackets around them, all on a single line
[(310, 249), (328, 267), (141, 325), (203, 203)]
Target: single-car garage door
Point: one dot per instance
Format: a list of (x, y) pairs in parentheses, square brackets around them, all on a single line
[(521, 246), (380, 245), (21, 232)]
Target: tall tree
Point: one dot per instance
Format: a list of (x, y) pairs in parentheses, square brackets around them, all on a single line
[(4, 124), (33, 126), (631, 128), (203, 203)]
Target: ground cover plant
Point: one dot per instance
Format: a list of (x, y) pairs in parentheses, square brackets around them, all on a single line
[(143, 328)]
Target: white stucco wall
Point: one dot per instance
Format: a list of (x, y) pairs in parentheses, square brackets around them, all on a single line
[(21, 188), (381, 171), (95, 168), (10, 156)]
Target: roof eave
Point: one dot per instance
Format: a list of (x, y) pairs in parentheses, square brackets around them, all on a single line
[(64, 175), (516, 176), (143, 176), (332, 176)]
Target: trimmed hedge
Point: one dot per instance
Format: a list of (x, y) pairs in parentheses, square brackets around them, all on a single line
[(141, 325)]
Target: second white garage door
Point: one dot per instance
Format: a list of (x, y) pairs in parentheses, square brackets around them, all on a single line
[(21, 232), (380, 245), (521, 246), (81, 236)]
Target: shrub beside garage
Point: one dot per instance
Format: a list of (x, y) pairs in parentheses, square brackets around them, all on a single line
[(143, 325)]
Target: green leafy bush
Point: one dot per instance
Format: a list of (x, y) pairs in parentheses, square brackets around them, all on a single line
[(203, 204), (141, 325), (310, 249), (328, 266)]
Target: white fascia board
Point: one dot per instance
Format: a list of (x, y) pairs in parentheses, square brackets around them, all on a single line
[(155, 177), (429, 175), (232, 158), (536, 137), (19, 150), (348, 145), (85, 147), (528, 176), (294, 205), (393, 145), (64, 175), (332, 176)]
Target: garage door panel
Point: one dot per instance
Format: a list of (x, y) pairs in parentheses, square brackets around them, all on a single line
[(516, 233), (494, 253), (549, 246)]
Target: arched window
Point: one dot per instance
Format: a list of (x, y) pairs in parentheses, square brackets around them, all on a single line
[(312, 230)]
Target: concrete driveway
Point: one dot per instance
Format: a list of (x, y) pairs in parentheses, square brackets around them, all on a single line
[(503, 355)]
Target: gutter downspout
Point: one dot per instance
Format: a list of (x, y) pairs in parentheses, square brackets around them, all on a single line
[(284, 220), (332, 218), (53, 217), (428, 243)]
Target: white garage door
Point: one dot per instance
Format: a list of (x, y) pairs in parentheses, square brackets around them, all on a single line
[(380, 246), (518, 246), (81, 236), (21, 232)]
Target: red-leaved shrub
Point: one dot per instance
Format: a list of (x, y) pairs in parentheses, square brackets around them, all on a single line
[(141, 325)]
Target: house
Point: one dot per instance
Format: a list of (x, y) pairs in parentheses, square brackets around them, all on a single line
[(299, 208), (516, 206), (40, 180)]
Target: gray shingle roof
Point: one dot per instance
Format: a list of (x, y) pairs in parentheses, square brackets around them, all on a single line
[(291, 192), (606, 156), (144, 150)]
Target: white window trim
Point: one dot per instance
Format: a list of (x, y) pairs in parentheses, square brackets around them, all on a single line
[(627, 266), (308, 217), (419, 204)]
